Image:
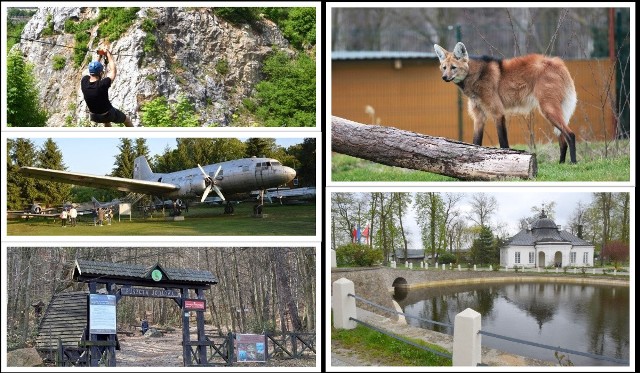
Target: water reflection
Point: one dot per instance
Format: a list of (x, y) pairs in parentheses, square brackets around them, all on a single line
[(588, 318)]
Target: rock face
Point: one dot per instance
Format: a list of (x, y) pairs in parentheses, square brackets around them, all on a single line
[(212, 62)]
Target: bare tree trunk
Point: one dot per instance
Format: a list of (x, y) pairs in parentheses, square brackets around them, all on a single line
[(400, 148)]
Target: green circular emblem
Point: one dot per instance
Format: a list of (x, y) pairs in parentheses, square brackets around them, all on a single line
[(156, 275)]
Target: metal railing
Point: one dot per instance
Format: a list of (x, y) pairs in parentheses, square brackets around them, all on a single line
[(555, 348), (389, 334), (450, 326)]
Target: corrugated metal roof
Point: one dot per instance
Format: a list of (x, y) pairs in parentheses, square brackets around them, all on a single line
[(379, 55), (133, 271)]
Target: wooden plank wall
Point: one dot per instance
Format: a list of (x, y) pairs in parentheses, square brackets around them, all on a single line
[(415, 98), (65, 318)]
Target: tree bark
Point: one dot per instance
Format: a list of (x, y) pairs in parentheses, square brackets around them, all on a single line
[(400, 148)]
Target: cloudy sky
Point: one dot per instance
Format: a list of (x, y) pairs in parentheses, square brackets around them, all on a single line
[(513, 203)]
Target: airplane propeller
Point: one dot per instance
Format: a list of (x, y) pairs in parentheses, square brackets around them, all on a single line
[(211, 184)]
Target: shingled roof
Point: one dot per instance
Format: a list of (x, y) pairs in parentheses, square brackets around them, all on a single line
[(545, 230), (89, 268), (65, 318)]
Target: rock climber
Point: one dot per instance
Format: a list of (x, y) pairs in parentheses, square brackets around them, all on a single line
[(95, 89)]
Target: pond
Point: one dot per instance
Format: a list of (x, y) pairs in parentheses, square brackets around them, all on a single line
[(585, 318)]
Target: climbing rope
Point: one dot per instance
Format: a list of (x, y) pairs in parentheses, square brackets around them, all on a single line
[(65, 46)]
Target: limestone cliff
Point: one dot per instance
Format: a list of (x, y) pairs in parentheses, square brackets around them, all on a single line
[(191, 45)]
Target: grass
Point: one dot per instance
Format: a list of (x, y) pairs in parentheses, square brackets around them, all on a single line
[(596, 162), (279, 220), (375, 346)]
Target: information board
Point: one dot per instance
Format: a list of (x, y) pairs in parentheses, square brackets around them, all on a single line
[(250, 348), (102, 314)]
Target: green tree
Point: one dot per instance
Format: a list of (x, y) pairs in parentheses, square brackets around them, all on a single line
[(303, 160), (156, 113), (141, 147), (124, 160), (300, 27), (287, 96), (51, 193), (23, 104), (483, 249), (226, 149), (260, 147), (21, 190), (429, 208)]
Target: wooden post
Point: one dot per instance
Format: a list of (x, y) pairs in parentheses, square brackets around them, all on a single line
[(395, 147), (186, 338), (94, 351), (202, 349)]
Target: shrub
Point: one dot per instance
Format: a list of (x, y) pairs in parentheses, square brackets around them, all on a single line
[(356, 255), (239, 15), (446, 258), (222, 67), (59, 62), (48, 29), (287, 97), (23, 103)]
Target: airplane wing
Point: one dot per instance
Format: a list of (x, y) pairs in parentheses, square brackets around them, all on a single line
[(96, 181)]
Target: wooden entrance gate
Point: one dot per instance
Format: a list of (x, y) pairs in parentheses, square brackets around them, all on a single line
[(185, 287)]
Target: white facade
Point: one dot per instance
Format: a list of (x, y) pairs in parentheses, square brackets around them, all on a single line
[(544, 244)]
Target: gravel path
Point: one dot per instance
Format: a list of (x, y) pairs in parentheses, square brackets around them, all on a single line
[(166, 351)]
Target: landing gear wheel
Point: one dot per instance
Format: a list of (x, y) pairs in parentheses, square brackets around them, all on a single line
[(228, 209)]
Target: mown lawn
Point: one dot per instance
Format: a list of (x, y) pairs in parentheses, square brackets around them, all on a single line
[(277, 220)]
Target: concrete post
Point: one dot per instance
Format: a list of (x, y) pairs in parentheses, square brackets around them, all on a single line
[(421, 264), (538, 269), (615, 272), (444, 266), (466, 340), (575, 270), (411, 265), (491, 267), (593, 271), (459, 268), (343, 305), (436, 265), (334, 263), (556, 269), (474, 267), (426, 265), (393, 264), (406, 264)]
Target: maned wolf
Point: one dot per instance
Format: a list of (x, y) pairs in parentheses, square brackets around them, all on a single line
[(497, 87)]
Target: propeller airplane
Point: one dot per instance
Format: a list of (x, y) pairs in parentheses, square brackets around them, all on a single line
[(231, 177)]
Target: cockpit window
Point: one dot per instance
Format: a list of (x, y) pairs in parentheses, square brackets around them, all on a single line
[(275, 163)]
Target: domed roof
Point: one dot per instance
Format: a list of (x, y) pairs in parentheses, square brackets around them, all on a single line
[(544, 223)]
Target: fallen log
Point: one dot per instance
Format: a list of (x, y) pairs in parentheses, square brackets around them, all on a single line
[(395, 147)]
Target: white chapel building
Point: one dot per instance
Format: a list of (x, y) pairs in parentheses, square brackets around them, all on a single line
[(544, 244)]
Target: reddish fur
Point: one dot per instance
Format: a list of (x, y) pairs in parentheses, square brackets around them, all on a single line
[(519, 85)]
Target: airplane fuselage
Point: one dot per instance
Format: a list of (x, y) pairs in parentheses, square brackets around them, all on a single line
[(236, 176)]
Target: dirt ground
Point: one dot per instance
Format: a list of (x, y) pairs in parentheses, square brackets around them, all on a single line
[(166, 351)]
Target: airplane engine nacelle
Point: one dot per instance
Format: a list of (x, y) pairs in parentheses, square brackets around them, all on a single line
[(192, 188)]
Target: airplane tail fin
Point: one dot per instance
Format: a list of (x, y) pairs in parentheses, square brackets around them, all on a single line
[(141, 169)]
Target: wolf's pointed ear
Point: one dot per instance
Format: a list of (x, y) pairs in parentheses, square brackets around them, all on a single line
[(460, 51), (440, 52)]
